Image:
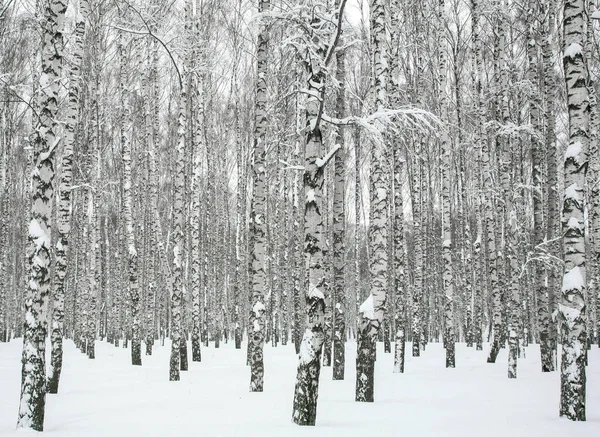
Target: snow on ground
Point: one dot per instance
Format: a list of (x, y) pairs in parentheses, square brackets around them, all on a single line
[(109, 397)]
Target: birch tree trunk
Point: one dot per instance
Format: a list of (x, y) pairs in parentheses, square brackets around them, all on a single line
[(446, 213), (178, 237), (339, 236), (33, 378), (398, 219), (309, 360), (572, 307), (553, 224), (256, 327), (132, 256), (371, 312), (538, 207), (195, 225), (309, 363), (65, 203)]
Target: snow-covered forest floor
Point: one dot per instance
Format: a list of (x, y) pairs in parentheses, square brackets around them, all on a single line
[(109, 397)]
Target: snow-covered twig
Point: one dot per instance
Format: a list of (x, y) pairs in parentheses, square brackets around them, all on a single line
[(322, 162), (289, 166)]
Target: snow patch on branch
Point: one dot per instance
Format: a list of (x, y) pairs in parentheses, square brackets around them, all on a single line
[(321, 162)]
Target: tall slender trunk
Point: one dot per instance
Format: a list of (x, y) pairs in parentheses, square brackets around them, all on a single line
[(339, 235), (479, 274), (541, 287), (372, 310), (398, 207), (33, 378), (572, 307), (256, 335), (309, 361), (196, 215), (177, 336), (132, 256), (446, 213), (63, 221)]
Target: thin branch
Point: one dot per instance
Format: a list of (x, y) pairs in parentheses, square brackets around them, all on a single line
[(338, 32), (149, 32)]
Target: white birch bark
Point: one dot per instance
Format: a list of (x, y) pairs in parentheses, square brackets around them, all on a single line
[(33, 380), (65, 203), (256, 335), (372, 311), (572, 306)]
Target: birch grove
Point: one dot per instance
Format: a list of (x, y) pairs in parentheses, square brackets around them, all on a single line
[(314, 179)]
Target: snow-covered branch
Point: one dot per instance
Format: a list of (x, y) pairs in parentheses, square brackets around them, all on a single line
[(322, 162)]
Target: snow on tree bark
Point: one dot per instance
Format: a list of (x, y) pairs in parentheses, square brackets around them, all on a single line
[(371, 319), (296, 243), (324, 39), (178, 238), (339, 219), (309, 362), (63, 222), (538, 207), (132, 256), (479, 271), (198, 115), (448, 285), (398, 219), (488, 211), (256, 327), (572, 306), (553, 213), (33, 379)]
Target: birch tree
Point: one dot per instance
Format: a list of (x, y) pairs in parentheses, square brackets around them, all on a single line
[(371, 311), (446, 213), (256, 335), (339, 217), (572, 306), (33, 379), (318, 55), (65, 204)]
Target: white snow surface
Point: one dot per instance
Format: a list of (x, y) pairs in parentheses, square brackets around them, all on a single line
[(110, 397)]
